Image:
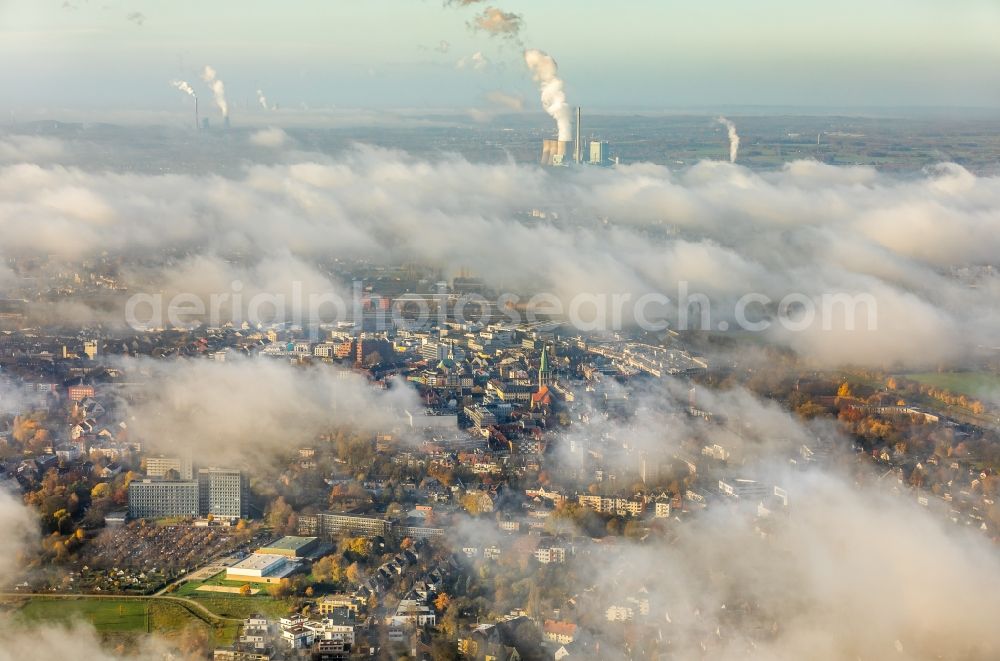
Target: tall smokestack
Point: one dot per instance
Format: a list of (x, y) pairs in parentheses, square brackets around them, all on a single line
[(578, 154)]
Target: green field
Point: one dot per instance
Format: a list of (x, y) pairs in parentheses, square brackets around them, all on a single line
[(190, 588), (103, 614), (240, 607), (981, 385), (121, 616), (233, 605)]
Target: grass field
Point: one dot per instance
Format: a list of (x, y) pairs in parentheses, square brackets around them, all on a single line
[(232, 605), (981, 385), (125, 616), (103, 614), (190, 588), (240, 607)]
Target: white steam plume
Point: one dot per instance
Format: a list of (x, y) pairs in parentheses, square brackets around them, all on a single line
[(545, 71), (218, 89), (261, 99), (184, 87), (498, 23), (734, 138)]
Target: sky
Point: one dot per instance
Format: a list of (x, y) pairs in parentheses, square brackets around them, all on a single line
[(648, 54)]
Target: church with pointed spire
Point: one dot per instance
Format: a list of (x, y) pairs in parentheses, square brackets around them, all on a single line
[(542, 398), (544, 373)]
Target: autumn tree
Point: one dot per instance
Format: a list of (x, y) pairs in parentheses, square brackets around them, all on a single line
[(328, 569), (280, 516), (354, 573), (357, 548), (280, 590)]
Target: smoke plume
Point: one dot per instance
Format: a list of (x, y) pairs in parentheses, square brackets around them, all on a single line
[(545, 71), (183, 86), (734, 138), (218, 89), (262, 100), (498, 23)]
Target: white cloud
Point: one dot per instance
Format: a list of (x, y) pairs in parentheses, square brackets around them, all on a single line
[(272, 137)]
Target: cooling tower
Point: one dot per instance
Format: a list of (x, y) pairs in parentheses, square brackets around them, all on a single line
[(554, 151), (548, 148), (562, 148)]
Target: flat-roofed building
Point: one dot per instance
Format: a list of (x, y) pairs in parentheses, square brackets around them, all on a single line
[(331, 524), (333, 602), (291, 546), (260, 568), (160, 466), (158, 499), (223, 493)]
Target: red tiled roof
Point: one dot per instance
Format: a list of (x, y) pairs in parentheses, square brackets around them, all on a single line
[(559, 628)]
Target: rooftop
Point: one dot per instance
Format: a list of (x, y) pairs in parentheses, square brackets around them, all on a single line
[(259, 561), (290, 543)]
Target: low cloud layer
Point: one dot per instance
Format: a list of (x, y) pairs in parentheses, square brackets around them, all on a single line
[(272, 137), (848, 570), (29, 148), (242, 410), (809, 228), (848, 574)]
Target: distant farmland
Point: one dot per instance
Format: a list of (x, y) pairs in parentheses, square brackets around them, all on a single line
[(981, 385)]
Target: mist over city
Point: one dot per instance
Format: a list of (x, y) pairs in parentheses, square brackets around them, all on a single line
[(488, 329)]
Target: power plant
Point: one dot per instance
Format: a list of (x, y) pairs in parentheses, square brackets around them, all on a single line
[(554, 152)]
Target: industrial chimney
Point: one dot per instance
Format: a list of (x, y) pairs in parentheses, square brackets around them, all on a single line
[(578, 148)]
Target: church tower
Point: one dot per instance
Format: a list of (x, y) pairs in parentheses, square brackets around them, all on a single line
[(544, 374)]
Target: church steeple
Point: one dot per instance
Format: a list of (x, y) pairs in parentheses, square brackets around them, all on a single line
[(544, 375)]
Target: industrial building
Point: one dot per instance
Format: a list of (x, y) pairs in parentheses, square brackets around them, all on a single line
[(598, 152), (555, 152)]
